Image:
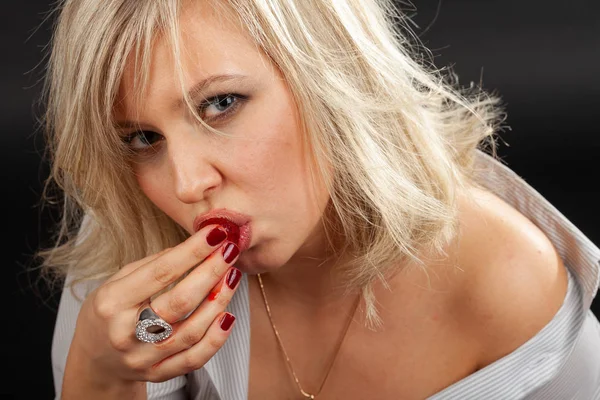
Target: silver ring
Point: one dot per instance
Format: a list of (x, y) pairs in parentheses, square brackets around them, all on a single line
[(151, 328)]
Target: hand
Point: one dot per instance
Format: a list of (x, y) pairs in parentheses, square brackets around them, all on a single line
[(105, 332)]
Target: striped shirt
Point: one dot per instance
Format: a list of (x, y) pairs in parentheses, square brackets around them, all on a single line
[(562, 361)]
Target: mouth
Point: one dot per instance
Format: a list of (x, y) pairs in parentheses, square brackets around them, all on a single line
[(237, 226)]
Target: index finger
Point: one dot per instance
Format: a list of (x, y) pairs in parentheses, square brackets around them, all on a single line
[(157, 274), (127, 269)]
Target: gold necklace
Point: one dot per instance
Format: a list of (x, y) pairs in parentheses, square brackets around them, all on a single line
[(307, 395)]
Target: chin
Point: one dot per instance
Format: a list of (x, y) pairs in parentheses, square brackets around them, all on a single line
[(259, 261)]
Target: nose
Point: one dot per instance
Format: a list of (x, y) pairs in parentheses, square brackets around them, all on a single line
[(194, 172)]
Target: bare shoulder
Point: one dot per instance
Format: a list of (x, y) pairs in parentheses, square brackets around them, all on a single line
[(515, 281)]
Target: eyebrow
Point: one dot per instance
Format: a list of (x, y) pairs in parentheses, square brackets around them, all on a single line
[(194, 91), (206, 82)]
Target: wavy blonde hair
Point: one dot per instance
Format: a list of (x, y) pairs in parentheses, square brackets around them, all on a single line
[(399, 134)]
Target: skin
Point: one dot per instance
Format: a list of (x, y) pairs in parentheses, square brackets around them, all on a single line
[(261, 171), (106, 361), (438, 329)]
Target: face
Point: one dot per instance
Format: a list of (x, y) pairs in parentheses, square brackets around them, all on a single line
[(259, 171)]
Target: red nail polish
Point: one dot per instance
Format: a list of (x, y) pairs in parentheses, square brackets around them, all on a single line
[(216, 236), (230, 252), (233, 277), (226, 321)]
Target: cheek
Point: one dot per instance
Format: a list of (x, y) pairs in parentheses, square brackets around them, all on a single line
[(272, 157), (281, 176), (155, 186)]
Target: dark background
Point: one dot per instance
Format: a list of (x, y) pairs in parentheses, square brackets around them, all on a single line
[(540, 56)]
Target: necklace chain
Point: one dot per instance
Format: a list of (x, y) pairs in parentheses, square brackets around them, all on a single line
[(287, 358)]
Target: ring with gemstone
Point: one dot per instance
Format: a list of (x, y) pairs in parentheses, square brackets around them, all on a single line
[(151, 328)]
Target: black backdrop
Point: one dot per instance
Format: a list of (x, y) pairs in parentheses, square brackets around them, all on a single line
[(540, 56)]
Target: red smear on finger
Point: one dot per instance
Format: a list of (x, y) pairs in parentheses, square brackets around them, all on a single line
[(212, 295)]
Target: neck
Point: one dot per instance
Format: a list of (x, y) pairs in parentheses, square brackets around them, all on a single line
[(310, 279), (306, 282)]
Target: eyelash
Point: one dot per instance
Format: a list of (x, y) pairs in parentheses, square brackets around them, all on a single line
[(239, 100)]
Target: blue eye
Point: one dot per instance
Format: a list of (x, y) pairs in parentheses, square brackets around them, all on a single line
[(217, 107)]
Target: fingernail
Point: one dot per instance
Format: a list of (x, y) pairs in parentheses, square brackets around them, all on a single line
[(233, 278), (230, 252), (216, 236), (226, 321)]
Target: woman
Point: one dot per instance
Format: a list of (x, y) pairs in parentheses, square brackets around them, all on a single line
[(294, 152)]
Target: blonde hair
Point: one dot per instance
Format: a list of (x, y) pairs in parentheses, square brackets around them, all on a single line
[(399, 134)]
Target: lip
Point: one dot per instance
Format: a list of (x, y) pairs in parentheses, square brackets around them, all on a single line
[(236, 224)]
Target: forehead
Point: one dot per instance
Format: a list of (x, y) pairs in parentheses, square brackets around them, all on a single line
[(210, 41)]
